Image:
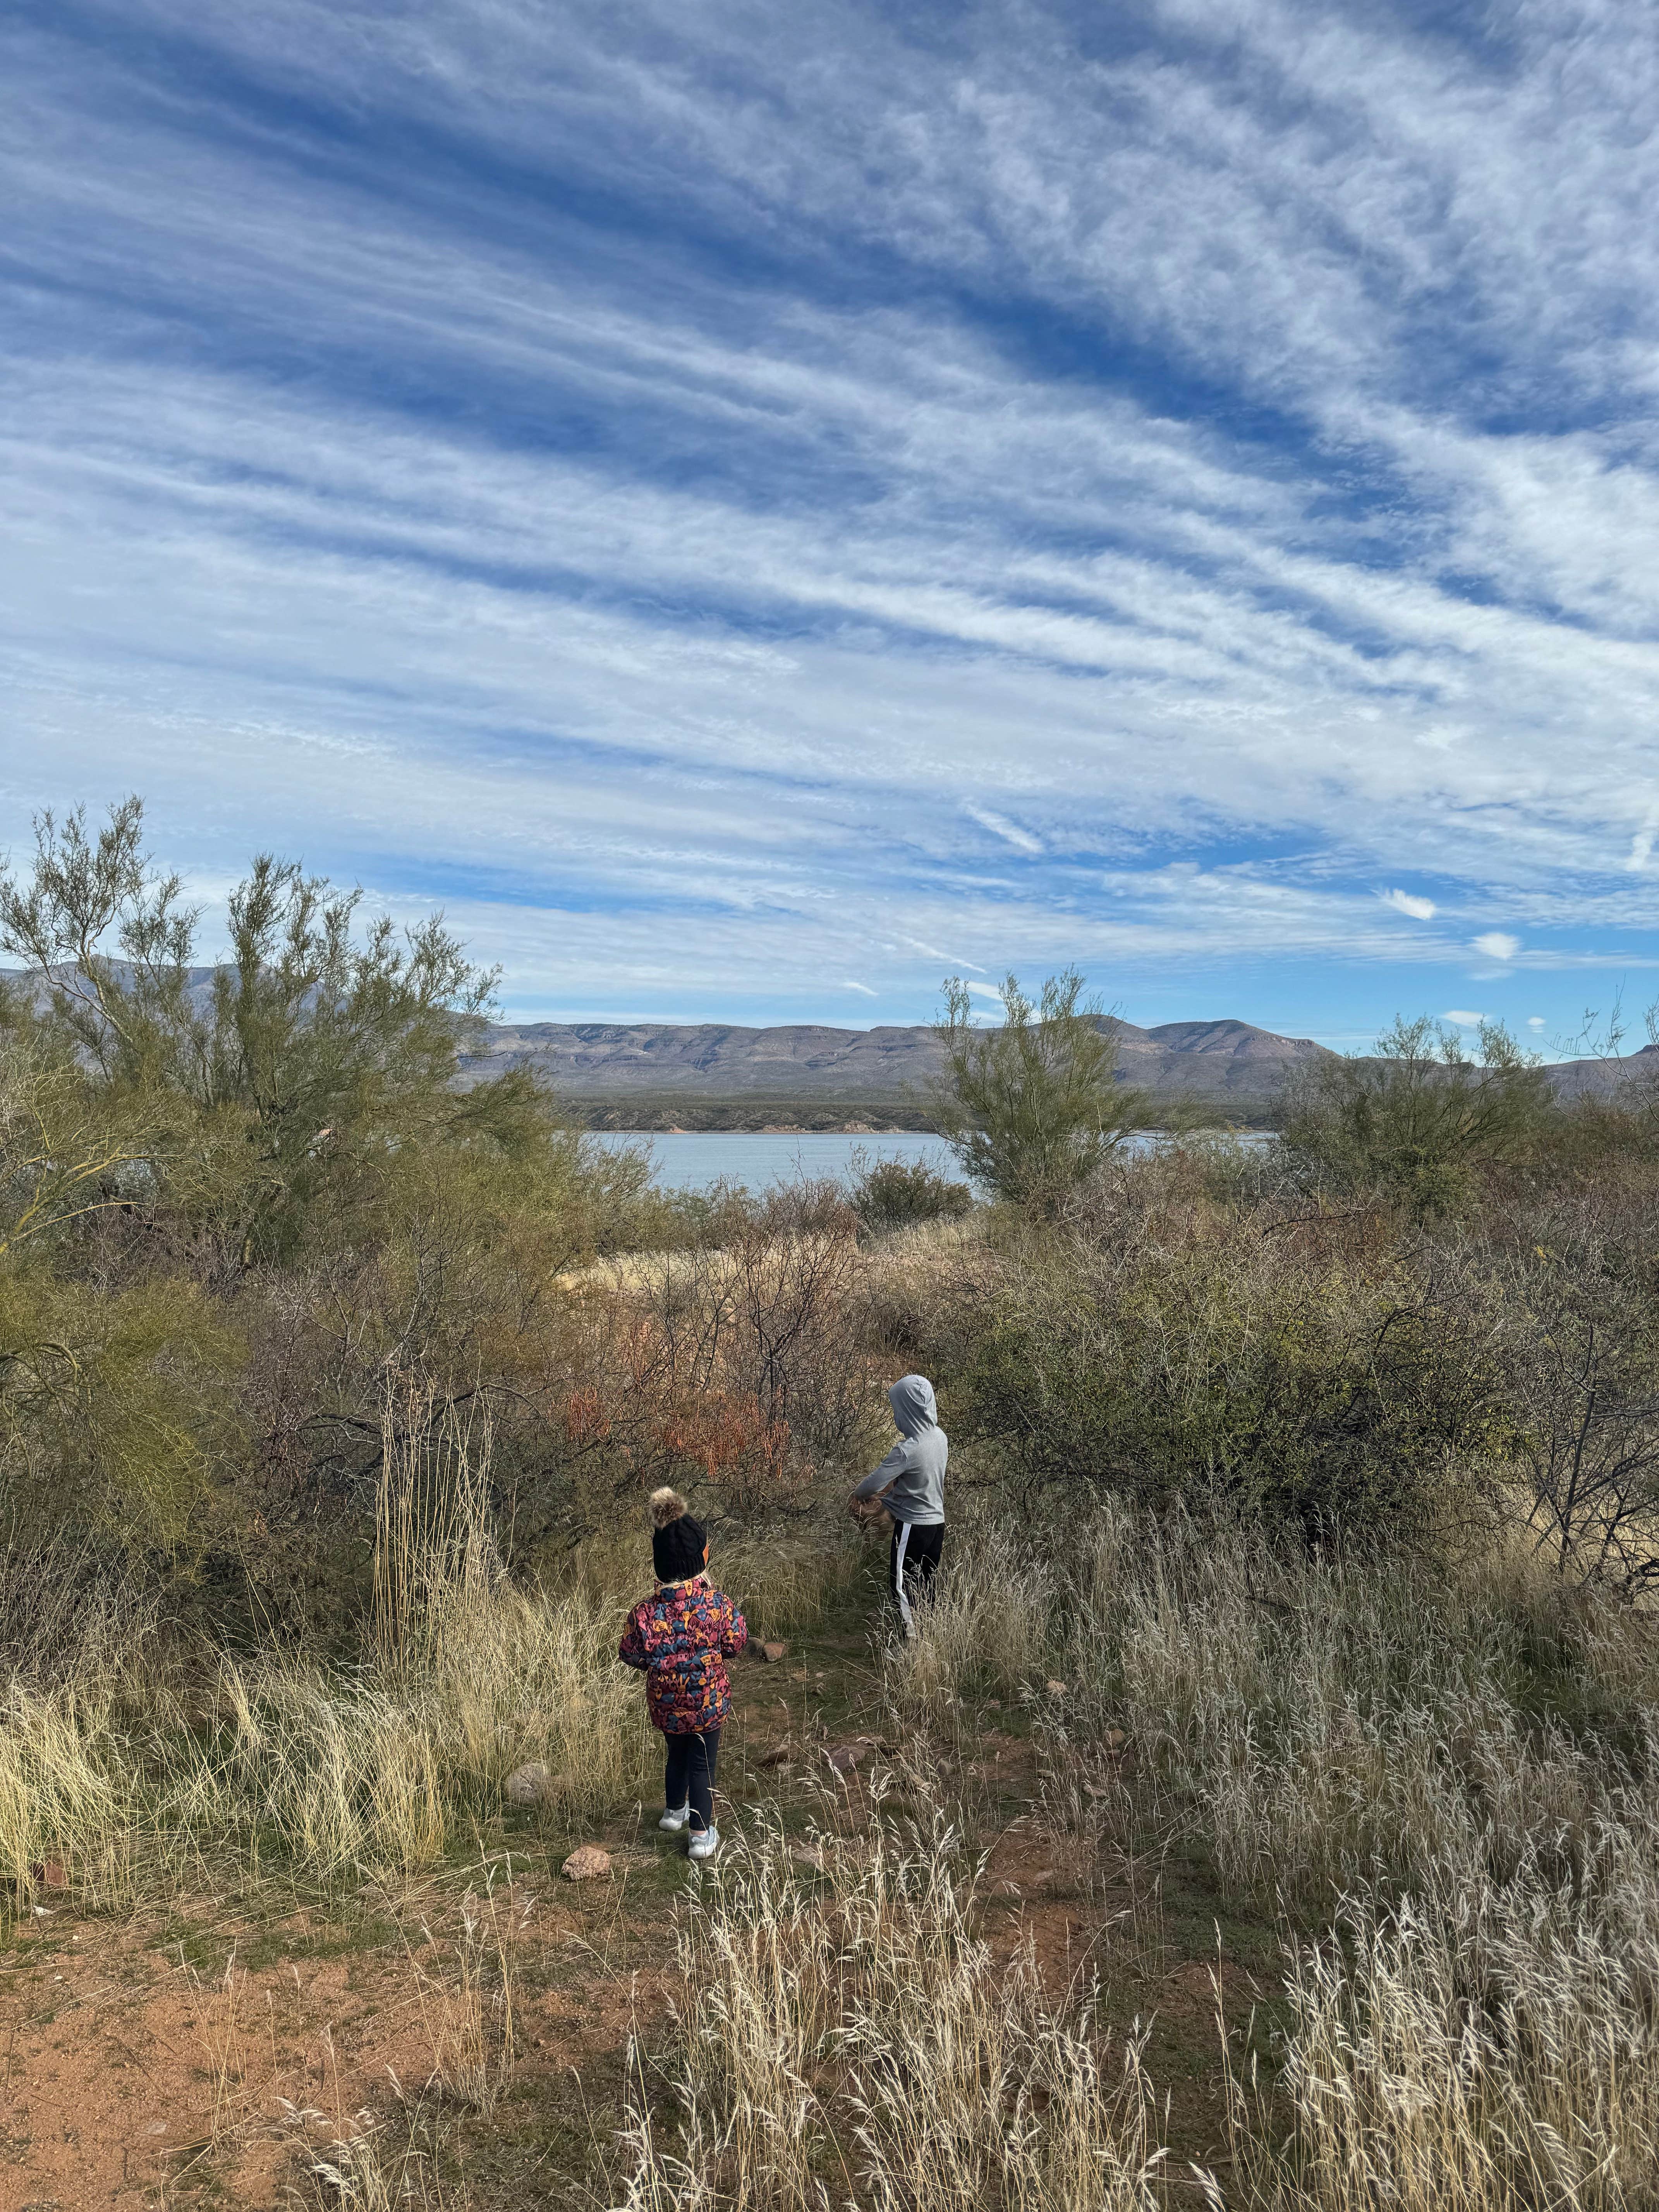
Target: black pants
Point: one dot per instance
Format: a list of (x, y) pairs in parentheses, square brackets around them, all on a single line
[(915, 1562), (690, 1777)]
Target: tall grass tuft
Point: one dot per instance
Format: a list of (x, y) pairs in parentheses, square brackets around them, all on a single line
[(847, 2038), (1480, 2042), (985, 1628), (109, 1782)]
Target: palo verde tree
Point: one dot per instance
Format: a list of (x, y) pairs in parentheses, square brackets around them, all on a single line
[(1419, 1114), (314, 1053), (1031, 1105)]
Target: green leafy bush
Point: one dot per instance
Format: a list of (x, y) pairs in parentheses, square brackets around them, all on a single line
[(899, 1194), (1032, 1106), (1315, 1389)]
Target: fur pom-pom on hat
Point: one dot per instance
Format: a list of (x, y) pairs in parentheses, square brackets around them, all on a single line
[(666, 1506)]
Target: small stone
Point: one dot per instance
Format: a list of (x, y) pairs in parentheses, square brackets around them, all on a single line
[(1115, 1739), (808, 1855), (586, 1864), (1055, 1689), (779, 1755), (528, 1784), (771, 1652), (846, 1757)]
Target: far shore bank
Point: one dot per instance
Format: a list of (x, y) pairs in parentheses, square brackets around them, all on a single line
[(677, 1115)]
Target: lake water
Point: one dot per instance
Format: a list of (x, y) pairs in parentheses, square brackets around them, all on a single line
[(698, 1160)]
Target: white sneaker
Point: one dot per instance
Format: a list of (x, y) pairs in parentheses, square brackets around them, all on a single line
[(704, 1843), (675, 1818)]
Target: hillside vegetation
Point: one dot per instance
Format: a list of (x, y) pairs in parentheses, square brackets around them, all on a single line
[(1266, 1814)]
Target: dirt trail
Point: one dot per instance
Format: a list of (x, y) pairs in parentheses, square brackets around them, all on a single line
[(183, 2058)]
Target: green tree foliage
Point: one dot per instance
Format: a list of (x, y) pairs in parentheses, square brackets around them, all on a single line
[(1031, 1105), (286, 1071), (1419, 1115), (117, 1407), (236, 1199)]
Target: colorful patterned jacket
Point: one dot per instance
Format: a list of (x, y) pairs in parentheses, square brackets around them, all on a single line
[(682, 1639)]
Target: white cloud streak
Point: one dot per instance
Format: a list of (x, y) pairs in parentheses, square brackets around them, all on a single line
[(669, 586), (1420, 910)]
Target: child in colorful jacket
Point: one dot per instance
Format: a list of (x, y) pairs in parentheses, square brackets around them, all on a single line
[(681, 1639)]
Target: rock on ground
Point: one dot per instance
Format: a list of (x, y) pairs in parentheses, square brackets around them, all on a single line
[(586, 1864), (528, 1784)]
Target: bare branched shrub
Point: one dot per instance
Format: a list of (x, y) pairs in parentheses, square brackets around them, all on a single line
[(741, 1369), (1573, 1298)]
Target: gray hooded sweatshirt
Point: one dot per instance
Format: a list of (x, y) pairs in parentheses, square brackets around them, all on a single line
[(915, 1465)]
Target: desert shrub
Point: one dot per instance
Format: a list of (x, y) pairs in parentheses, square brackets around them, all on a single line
[(117, 1407), (1419, 1116), (1030, 1106), (230, 1201), (739, 1372), (899, 1194), (683, 1220), (1566, 1255), (1310, 1379)]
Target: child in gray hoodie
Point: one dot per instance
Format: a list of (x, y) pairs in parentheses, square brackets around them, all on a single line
[(910, 1484)]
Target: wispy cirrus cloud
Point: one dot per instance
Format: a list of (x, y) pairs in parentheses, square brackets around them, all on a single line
[(745, 494)]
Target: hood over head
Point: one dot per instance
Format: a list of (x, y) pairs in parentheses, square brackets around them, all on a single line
[(912, 1400)]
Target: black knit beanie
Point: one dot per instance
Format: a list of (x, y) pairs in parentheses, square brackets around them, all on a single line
[(677, 1541)]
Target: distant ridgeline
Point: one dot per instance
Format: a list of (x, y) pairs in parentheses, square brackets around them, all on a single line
[(805, 1075), (651, 1075)]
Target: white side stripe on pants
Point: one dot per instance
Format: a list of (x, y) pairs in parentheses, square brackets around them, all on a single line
[(898, 1574)]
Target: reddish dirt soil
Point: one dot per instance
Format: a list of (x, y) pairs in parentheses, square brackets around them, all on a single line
[(132, 2081)]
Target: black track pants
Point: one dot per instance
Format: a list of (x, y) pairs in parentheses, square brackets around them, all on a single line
[(690, 1777), (915, 1561)]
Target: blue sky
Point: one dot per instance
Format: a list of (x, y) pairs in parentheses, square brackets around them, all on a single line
[(752, 507)]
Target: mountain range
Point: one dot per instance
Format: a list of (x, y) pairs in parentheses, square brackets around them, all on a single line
[(656, 1074), (884, 1070)]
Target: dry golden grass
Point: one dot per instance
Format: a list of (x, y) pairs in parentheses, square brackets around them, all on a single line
[(1481, 2043), (848, 2039), (342, 1773)]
